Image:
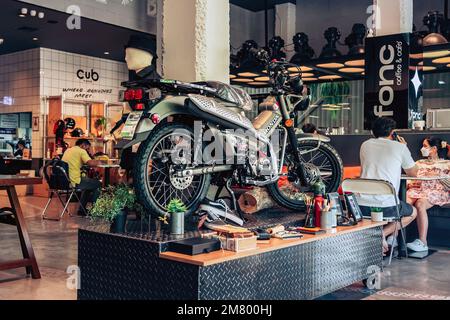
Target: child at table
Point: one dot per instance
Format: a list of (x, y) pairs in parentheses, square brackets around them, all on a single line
[(426, 194)]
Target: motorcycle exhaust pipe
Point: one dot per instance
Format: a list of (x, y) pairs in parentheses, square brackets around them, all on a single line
[(203, 171)]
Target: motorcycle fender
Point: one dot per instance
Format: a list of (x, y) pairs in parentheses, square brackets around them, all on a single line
[(313, 137), (168, 107)]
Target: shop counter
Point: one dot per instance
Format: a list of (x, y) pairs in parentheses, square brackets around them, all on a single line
[(125, 267)]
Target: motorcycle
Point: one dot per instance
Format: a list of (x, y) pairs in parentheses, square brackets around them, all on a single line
[(172, 122)]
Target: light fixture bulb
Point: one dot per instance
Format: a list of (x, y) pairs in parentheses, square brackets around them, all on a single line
[(33, 13), (41, 15), (24, 11)]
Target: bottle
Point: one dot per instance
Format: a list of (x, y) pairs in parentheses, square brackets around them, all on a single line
[(49, 154), (318, 205)]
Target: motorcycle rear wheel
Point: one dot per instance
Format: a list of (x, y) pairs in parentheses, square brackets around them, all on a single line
[(155, 187), (330, 165)]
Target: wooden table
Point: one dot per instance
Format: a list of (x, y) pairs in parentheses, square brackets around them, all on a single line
[(405, 179), (107, 168), (9, 183)]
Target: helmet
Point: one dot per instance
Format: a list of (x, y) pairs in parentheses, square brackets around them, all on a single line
[(77, 133), (70, 123)]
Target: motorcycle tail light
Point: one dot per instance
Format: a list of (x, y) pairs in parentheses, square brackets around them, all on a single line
[(138, 94), (155, 118), (140, 107), (129, 95)]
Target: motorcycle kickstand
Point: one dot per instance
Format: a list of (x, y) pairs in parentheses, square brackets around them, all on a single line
[(236, 207)]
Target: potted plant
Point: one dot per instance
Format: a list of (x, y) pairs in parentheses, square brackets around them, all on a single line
[(113, 205), (100, 125), (377, 214), (176, 209)]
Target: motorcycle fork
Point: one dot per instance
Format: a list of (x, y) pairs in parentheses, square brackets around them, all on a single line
[(292, 140)]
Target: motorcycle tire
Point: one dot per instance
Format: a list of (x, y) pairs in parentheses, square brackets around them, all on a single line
[(142, 179), (332, 185)]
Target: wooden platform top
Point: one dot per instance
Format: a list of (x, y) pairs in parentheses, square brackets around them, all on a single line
[(18, 180), (217, 257)]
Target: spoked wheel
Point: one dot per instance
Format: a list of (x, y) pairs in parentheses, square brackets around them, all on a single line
[(167, 150), (323, 160)]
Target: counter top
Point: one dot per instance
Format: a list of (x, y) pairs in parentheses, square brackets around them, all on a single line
[(217, 257)]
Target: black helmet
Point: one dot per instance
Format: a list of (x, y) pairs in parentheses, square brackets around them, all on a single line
[(70, 123), (77, 133)]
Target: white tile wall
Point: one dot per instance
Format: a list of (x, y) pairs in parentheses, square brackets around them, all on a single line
[(19, 79), (30, 75)]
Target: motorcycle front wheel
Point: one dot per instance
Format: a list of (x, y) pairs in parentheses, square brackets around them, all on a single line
[(154, 179), (325, 158)]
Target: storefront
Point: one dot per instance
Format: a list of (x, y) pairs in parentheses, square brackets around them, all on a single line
[(170, 163)]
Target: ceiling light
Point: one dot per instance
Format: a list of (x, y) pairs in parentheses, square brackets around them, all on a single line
[(442, 60), (247, 74), (22, 15), (33, 13), (35, 39), (302, 68), (441, 82), (262, 79), (355, 63), (232, 76), (41, 15), (24, 11), (330, 77), (1, 41), (429, 68), (363, 73), (309, 79), (436, 54), (332, 65), (243, 80), (106, 52), (351, 70), (448, 66)]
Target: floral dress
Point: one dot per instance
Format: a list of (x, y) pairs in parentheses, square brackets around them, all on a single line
[(434, 191)]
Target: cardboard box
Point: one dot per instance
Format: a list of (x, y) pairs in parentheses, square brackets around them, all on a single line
[(242, 244)]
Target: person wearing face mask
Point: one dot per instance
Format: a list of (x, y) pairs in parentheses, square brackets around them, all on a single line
[(424, 195)]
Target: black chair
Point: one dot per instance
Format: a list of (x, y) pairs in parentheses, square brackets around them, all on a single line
[(55, 173)]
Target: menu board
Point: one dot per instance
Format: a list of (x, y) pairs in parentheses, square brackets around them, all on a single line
[(9, 121), (25, 120)]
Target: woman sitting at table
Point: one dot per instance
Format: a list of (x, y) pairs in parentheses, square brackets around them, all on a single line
[(426, 194)]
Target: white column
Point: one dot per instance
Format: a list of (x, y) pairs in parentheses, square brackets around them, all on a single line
[(393, 16), (285, 24), (194, 39)]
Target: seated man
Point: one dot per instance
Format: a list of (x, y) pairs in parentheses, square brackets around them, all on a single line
[(20, 149), (424, 195), (76, 158), (383, 158)]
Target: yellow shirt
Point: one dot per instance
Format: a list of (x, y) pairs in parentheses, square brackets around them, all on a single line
[(76, 158)]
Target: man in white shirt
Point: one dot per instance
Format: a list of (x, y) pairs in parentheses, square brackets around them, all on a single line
[(383, 158)]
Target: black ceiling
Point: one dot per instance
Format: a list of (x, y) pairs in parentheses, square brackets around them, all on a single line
[(258, 5), (93, 39)]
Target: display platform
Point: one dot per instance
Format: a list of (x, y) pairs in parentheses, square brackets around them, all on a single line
[(135, 266)]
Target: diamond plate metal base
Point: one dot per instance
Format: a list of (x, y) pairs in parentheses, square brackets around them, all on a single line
[(120, 267)]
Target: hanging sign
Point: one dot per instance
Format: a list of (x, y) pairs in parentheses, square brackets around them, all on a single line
[(393, 82)]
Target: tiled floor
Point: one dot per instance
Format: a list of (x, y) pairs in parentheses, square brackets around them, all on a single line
[(55, 245)]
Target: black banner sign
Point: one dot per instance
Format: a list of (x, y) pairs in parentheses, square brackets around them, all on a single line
[(393, 85)]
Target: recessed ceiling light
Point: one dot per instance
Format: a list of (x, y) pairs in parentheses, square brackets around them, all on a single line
[(106, 52), (41, 15), (351, 70), (33, 13), (332, 65), (248, 74), (35, 39), (24, 11), (262, 79), (232, 76), (356, 63), (428, 68), (330, 77)]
